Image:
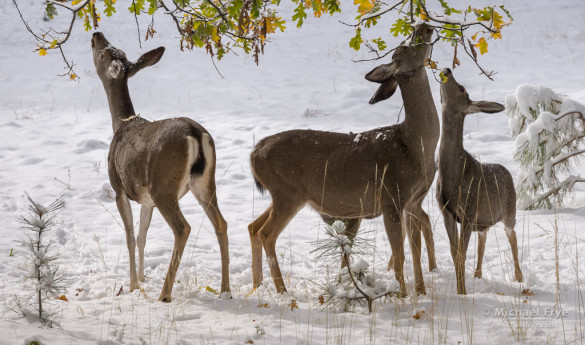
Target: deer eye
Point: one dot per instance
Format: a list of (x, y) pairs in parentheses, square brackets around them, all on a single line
[(461, 89)]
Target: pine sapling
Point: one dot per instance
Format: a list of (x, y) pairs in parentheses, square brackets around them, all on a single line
[(355, 282), (549, 130), (41, 266)]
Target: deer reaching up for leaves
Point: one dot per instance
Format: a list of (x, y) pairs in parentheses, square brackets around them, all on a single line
[(156, 164), (385, 171), (475, 195)]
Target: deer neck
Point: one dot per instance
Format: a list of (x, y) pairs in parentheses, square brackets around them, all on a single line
[(421, 122), (121, 107), (451, 149)]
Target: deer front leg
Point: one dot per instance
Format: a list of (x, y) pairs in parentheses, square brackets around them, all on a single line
[(256, 244), (452, 234), (394, 233), (481, 237), (125, 210), (413, 231), (461, 254), (145, 217), (511, 234)]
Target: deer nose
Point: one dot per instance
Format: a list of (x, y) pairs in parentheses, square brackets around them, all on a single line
[(446, 72)]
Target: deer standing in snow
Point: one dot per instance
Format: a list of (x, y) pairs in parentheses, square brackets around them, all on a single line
[(156, 164), (474, 194), (385, 171)]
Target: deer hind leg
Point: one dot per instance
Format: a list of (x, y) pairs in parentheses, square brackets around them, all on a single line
[(283, 210), (481, 237), (511, 234), (145, 217), (256, 244), (168, 206), (208, 200), (125, 210)]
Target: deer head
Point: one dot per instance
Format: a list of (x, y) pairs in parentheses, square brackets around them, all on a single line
[(111, 63), (456, 100), (406, 60)]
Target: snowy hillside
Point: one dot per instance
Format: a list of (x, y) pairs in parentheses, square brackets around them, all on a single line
[(54, 140)]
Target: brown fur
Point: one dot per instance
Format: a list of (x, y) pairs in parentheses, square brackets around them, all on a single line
[(155, 164)]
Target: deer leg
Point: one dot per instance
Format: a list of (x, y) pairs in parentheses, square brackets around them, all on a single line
[(511, 234), (208, 200), (451, 227), (145, 217), (413, 231), (427, 231), (460, 264), (253, 229), (394, 233), (481, 237), (391, 261), (169, 208), (125, 210), (282, 213)]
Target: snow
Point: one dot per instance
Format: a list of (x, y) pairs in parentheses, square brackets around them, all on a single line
[(54, 137)]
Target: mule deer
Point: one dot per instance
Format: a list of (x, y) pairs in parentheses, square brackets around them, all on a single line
[(474, 194), (385, 171), (155, 164)]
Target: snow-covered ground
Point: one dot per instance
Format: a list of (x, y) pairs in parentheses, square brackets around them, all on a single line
[(55, 135)]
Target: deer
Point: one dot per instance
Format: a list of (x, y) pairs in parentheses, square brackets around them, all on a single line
[(476, 195), (155, 164), (386, 171)]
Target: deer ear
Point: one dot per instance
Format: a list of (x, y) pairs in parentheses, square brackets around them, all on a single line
[(116, 69), (382, 73), (484, 107), (145, 60), (385, 90)]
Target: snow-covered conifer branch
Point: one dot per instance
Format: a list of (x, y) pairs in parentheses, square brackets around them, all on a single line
[(549, 131)]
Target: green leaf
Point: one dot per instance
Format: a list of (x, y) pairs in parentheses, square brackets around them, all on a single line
[(380, 43), (136, 7), (153, 5), (109, 9), (300, 14), (401, 27), (357, 40), (506, 12), (50, 10)]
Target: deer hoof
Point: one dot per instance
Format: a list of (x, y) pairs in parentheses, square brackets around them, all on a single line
[(226, 295)]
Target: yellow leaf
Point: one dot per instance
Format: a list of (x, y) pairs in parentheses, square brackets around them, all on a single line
[(364, 6), (251, 292), (497, 34), (212, 290), (73, 76), (63, 298), (482, 45), (431, 63), (42, 52), (474, 36)]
